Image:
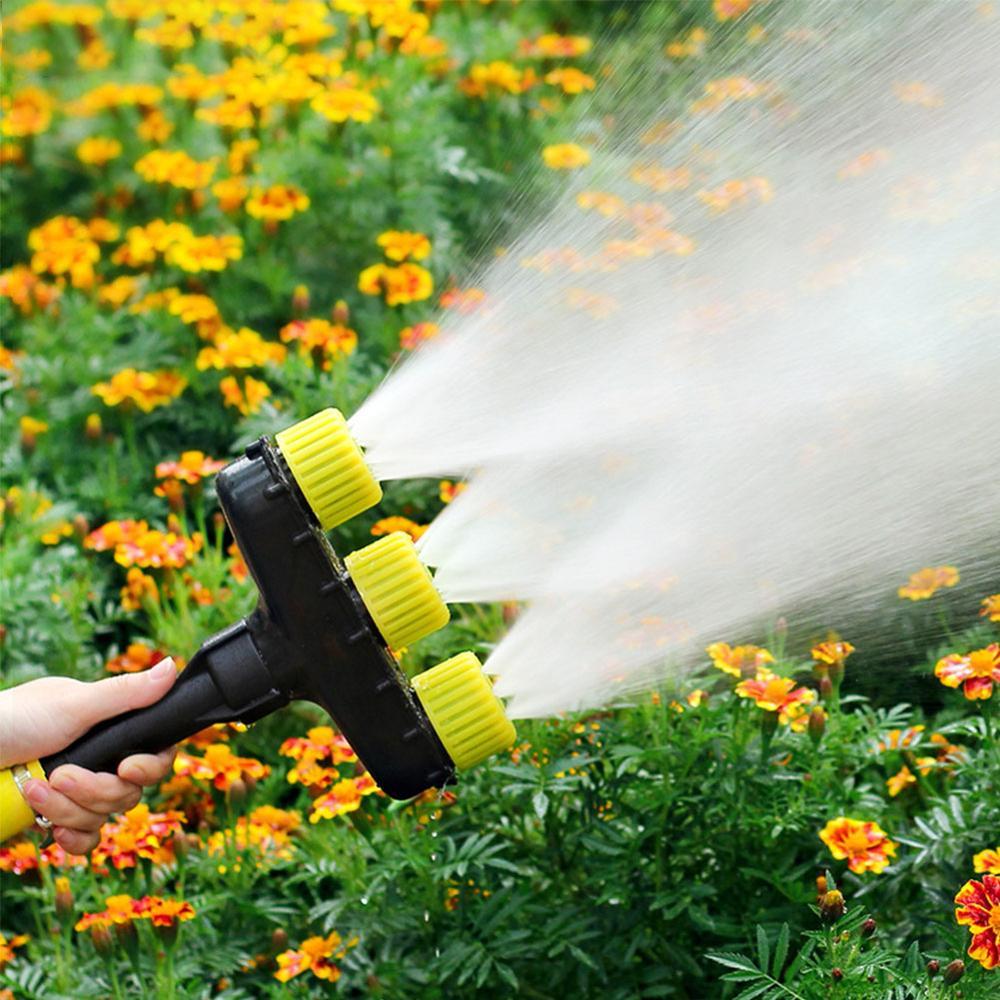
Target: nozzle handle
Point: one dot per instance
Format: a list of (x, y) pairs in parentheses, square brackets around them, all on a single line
[(222, 683)]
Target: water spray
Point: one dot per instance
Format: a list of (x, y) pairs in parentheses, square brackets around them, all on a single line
[(323, 631)]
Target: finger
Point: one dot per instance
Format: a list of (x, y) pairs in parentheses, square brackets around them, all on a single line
[(114, 695), (147, 768), (75, 841), (57, 808), (103, 793)]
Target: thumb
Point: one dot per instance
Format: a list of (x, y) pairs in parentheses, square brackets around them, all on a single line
[(114, 695)]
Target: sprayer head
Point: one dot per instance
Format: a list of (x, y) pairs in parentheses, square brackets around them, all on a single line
[(467, 716), (328, 467), (397, 590)]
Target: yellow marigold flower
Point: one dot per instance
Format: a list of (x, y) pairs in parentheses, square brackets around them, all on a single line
[(64, 245), (340, 103), (32, 427), (116, 293), (205, 253), (139, 587), (412, 336), (565, 156), (927, 581), (155, 127), (314, 955), (247, 398), (276, 203), (991, 608), (977, 671), (220, 766), (27, 112), (570, 80), (239, 155), (171, 35), (94, 55), (320, 337), (692, 45), (243, 348), (233, 114), (266, 832), (728, 10), (146, 390), (773, 693), (32, 60), (738, 660), (98, 150), (904, 777), (194, 308), (987, 861), (497, 77), (553, 46), (387, 525), (831, 653), (157, 549), (143, 243), (978, 908), (154, 300), (866, 846), (188, 83), (401, 245), (400, 285), (231, 192), (176, 168)]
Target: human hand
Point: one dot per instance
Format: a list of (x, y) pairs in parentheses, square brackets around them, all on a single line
[(46, 715)]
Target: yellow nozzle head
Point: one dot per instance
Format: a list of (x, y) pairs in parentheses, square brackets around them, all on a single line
[(15, 813), (329, 468), (397, 590), (467, 716)]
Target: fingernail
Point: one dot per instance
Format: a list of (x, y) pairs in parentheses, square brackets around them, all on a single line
[(162, 669), (64, 783), (36, 792)]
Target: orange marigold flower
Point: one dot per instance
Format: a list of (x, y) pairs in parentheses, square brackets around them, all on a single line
[(565, 156), (904, 777), (899, 739), (738, 660), (109, 535), (570, 80), (977, 671), (991, 608), (399, 245), (927, 581), (176, 168), (205, 253), (344, 797), (321, 339), (243, 348), (728, 10), (7, 948), (157, 549), (463, 300), (276, 203), (412, 336), (387, 525), (27, 112), (866, 846), (315, 955), (773, 693), (165, 912), (267, 831), (400, 285), (137, 834), (27, 291), (98, 150), (553, 46), (23, 856), (220, 766), (137, 656), (340, 103), (237, 564), (139, 587), (64, 245), (116, 293), (497, 77), (191, 468), (146, 390), (661, 179), (978, 908), (831, 653), (194, 308), (987, 861), (863, 163), (231, 192), (916, 92), (447, 490), (320, 743), (247, 398)]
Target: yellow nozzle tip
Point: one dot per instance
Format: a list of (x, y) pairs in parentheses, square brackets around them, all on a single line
[(467, 716), (329, 468), (397, 590), (15, 813)]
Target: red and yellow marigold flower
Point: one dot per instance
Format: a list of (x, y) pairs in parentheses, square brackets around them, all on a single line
[(865, 845), (927, 581), (316, 955), (411, 337), (738, 660), (191, 468), (157, 549), (448, 490), (987, 861), (137, 834), (137, 656), (400, 285), (990, 609), (976, 672), (387, 525), (220, 766), (565, 156), (267, 832), (145, 390), (276, 203), (400, 245), (344, 797), (831, 654), (320, 339), (978, 908), (773, 693), (246, 398), (243, 348), (98, 150), (22, 856)]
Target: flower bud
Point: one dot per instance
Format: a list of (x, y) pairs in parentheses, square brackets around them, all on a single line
[(825, 687), (817, 724), (219, 521), (933, 967), (167, 933), (768, 724), (340, 313), (300, 300), (821, 887), (64, 897), (953, 972), (81, 527), (868, 928), (249, 781), (104, 943), (781, 627), (837, 974), (832, 906), (93, 427), (237, 793), (279, 940), (510, 610)]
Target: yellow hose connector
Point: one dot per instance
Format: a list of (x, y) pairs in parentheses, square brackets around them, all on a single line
[(397, 590), (329, 468), (467, 716), (15, 813)]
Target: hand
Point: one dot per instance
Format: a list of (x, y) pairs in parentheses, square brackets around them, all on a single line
[(46, 715)]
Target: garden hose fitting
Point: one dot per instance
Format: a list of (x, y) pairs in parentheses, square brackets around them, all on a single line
[(322, 630), (467, 716)]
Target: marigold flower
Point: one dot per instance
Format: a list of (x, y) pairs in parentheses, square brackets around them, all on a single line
[(220, 766), (866, 846), (137, 834), (565, 156), (28, 292), (904, 777), (276, 203), (978, 908), (175, 168), (400, 285), (728, 10), (463, 300), (718, 93), (554, 46), (447, 490), (243, 348), (661, 179), (191, 468), (927, 581), (987, 861), (692, 45), (570, 80), (247, 398), (165, 912), (738, 660), (158, 549), (321, 743), (27, 112), (7, 948), (267, 831), (314, 955), (916, 92), (116, 293), (146, 390), (340, 103), (400, 245), (977, 671), (205, 253), (863, 163), (98, 150), (320, 339), (137, 656), (778, 694), (139, 587), (736, 192), (991, 608), (344, 797), (64, 245), (831, 653), (899, 739), (497, 77), (387, 525), (411, 337)]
